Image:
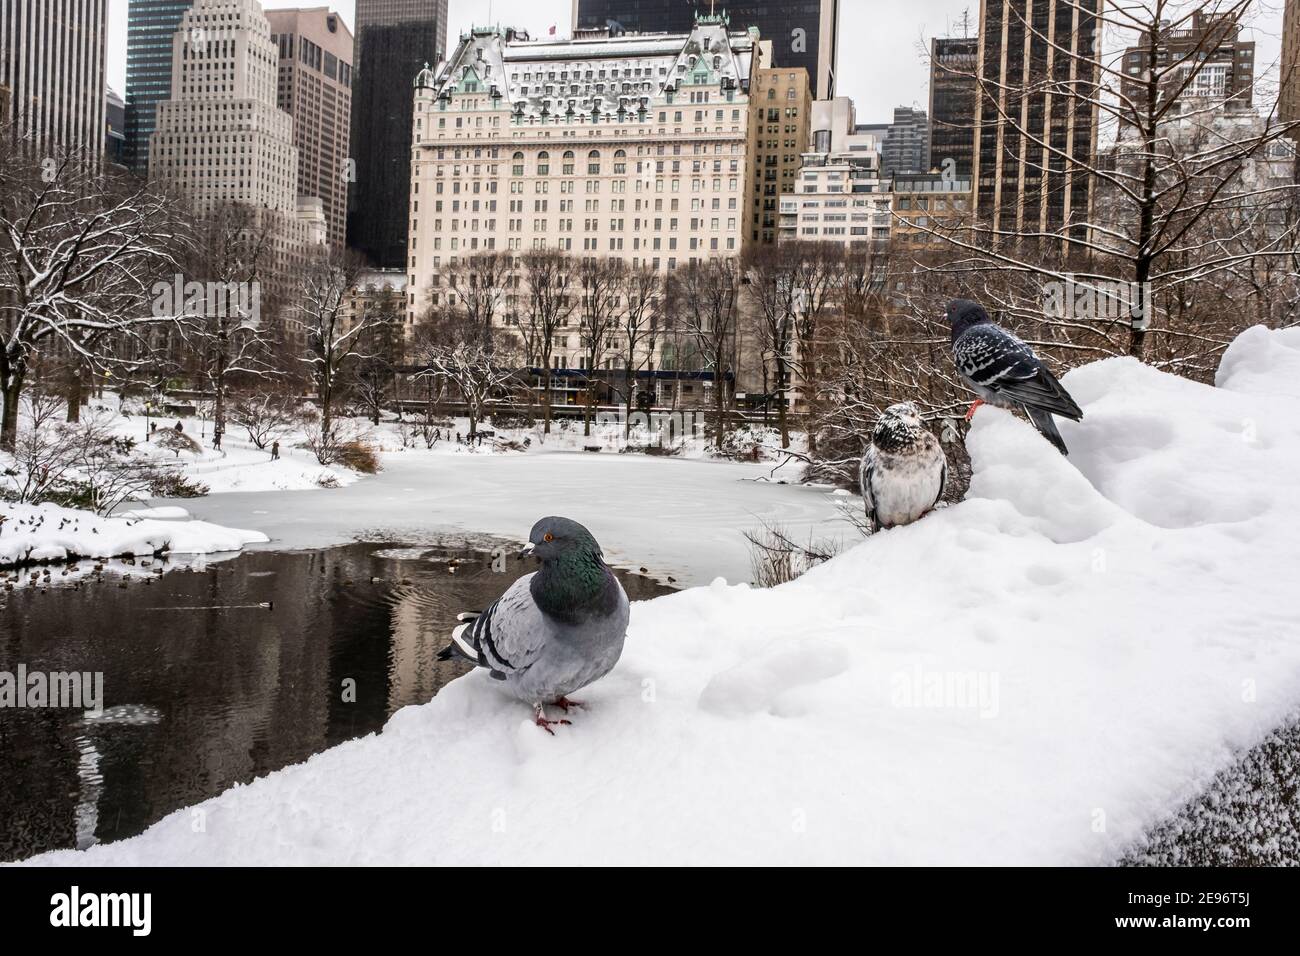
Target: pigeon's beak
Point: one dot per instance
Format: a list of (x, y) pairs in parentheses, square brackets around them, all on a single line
[(528, 550)]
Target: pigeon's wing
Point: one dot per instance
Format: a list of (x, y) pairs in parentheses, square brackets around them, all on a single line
[(506, 638), (943, 479), (992, 358), (866, 474)]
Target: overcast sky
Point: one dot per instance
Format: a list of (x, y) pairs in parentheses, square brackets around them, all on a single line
[(881, 41)]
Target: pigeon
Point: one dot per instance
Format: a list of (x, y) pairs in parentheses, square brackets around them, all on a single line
[(903, 469), (1004, 371), (553, 631)]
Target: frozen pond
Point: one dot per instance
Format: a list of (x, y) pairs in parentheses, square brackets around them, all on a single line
[(686, 518)]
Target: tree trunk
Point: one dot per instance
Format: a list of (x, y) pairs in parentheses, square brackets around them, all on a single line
[(12, 391), (219, 386), (782, 423), (591, 398), (76, 394), (546, 395)]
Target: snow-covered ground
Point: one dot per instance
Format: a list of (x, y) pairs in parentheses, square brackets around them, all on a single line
[(1034, 675), (35, 533)]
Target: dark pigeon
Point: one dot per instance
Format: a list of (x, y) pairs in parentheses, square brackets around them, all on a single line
[(1004, 371)]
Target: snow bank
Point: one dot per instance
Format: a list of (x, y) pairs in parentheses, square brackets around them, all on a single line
[(1035, 675), (50, 533)]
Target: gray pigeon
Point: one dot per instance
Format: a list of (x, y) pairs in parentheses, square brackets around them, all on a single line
[(903, 470), (554, 631), (1004, 371)]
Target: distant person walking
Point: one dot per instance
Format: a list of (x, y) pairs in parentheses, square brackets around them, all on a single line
[(275, 451), (216, 437), (179, 428)]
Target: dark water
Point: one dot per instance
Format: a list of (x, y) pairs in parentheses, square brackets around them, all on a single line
[(204, 687)]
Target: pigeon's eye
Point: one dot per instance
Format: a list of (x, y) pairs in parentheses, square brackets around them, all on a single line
[(548, 537)]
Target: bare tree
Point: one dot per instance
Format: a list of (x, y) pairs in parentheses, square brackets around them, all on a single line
[(703, 298), (772, 274), (817, 277), (601, 280), (266, 415), (231, 261), (332, 339), (453, 346), (549, 303), (80, 252), (637, 327)]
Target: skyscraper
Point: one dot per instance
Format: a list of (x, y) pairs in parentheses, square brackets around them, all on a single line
[(1288, 101), (52, 60), (1034, 146), (314, 85), (953, 62), (394, 40), (114, 127), (782, 106), (803, 32), (1221, 64), (907, 146), (150, 25), (221, 140)]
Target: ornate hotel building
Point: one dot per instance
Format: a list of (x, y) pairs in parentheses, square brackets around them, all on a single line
[(633, 146)]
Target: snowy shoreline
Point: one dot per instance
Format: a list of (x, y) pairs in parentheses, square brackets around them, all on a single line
[(37, 535)]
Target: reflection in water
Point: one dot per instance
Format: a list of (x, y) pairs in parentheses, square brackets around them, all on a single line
[(220, 673)]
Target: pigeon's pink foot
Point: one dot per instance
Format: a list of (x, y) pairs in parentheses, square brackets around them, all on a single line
[(564, 703), (539, 718), (970, 413)]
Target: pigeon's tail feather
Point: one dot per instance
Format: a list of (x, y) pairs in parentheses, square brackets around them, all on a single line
[(1064, 404), (459, 647), (1047, 427)]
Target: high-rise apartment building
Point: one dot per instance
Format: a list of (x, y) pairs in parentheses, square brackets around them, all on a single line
[(1288, 102), (150, 25), (52, 59), (1209, 57), (221, 139), (907, 145), (840, 195), (637, 148), (395, 39), (1030, 50), (782, 107), (314, 86), (804, 33), (114, 128), (954, 63)]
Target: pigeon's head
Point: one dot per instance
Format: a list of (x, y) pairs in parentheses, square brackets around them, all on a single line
[(554, 537), (963, 313), (898, 427)]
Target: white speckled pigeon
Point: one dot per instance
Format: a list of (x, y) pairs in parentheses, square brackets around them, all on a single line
[(553, 631), (1004, 371), (903, 469)]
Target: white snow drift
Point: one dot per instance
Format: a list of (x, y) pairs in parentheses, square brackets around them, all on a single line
[(1034, 675), (35, 533)]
